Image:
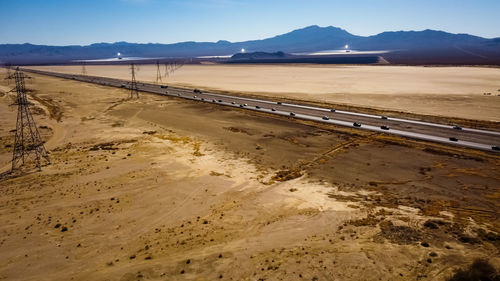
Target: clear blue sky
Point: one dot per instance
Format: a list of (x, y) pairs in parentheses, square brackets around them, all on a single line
[(81, 22)]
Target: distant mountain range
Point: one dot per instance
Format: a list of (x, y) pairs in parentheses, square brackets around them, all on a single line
[(406, 47)]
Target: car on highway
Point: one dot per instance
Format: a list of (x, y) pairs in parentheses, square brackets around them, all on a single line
[(495, 147), (457, 127), (233, 102), (333, 110), (384, 117), (292, 114), (453, 139), (219, 100), (202, 99), (245, 104), (163, 86), (197, 91), (278, 102), (356, 124), (195, 97), (384, 127), (325, 118), (214, 101), (123, 85), (241, 105), (257, 107), (273, 109)]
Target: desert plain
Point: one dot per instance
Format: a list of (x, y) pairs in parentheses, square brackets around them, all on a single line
[(457, 92), (160, 188)]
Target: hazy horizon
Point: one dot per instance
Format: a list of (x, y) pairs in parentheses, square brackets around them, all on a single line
[(249, 39)]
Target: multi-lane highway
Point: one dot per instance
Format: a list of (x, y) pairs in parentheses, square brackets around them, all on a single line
[(442, 133)]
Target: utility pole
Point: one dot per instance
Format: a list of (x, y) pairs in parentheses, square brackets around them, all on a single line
[(134, 91), (158, 73), (28, 143)]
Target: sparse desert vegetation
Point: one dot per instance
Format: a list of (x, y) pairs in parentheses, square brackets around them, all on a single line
[(166, 189)]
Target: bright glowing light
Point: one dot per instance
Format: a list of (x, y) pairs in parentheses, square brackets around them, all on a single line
[(347, 46), (243, 50), (118, 54)]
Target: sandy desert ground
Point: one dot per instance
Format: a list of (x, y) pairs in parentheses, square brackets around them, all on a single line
[(166, 189), (443, 91)]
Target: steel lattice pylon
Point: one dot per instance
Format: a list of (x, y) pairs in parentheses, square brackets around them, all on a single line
[(158, 73), (84, 69), (134, 91), (28, 143)]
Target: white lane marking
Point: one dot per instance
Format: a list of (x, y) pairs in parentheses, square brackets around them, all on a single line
[(357, 114), (349, 124)]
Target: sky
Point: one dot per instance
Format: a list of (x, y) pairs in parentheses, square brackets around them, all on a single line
[(83, 22)]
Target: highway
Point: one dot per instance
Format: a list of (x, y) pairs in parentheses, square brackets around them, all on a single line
[(433, 132)]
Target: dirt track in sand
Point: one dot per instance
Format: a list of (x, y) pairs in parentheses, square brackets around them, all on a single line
[(165, 189), (443, 91)]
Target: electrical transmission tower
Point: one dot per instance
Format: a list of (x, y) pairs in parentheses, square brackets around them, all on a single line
[(8, 66), (134, 91), (28, 143), (167, 69), (84, 69), (158, 73), (171, 67)]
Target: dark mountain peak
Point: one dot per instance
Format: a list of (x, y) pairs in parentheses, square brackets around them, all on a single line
[(318, 29), (465, 48), (311, 27)]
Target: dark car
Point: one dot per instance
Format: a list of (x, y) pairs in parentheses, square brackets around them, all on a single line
[(273, 109), (220, 100), (384, 117), (292, 114), (325, 118), (495, 147), (214, 101), (202, 99), (123, 85), (279, 102), (163, 86), (332, 110), (197, 91), (356, 124), (384, 127), (233, 102), (453, 139), (241, 105), (457, 127), (258, 107)]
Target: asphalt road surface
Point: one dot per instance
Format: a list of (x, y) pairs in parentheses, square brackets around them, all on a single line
[(441, 133)]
